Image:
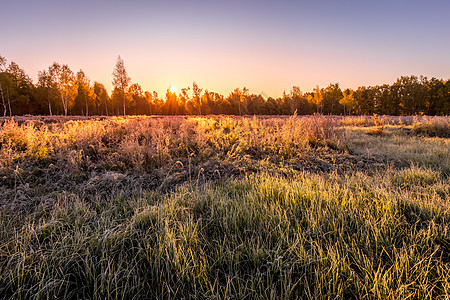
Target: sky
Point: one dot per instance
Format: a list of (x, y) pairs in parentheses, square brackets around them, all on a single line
[(266, 46)]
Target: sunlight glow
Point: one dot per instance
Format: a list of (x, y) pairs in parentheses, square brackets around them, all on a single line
[(172, 88)]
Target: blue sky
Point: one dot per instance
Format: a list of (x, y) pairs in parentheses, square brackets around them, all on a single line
[(264, 45)]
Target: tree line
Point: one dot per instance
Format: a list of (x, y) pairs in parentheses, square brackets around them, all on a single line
[(61, 91)]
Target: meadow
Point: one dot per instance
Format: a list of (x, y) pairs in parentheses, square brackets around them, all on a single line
[(221, 207)]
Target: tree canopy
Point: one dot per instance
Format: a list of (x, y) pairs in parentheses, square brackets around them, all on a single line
[(61, 91)]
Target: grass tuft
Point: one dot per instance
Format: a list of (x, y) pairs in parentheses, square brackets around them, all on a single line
[(221, 207)]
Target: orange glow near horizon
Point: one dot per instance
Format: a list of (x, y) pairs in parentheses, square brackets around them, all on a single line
[(172, 89), (266, 48)]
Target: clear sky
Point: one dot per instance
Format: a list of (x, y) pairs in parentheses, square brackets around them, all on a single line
[(263, 45)]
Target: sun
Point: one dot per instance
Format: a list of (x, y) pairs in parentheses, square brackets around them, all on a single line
[(172, 88)]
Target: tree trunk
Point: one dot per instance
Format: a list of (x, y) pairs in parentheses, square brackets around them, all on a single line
[(65, 107), (49, 104), (124, 102), (9, 102), (64, 103), (3, 101), (106, 107), (87, 108)]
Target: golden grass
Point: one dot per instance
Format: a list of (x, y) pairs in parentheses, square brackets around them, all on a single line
[(224, 207)]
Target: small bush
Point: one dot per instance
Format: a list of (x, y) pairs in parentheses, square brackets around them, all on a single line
[(379, 125)]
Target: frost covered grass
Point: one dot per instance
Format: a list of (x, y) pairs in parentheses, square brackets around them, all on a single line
[(219, 208)]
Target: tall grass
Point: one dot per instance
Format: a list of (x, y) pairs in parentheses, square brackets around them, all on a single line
[(161, 151), (221, 208), (264, 236), (160, 139), (430, 126)]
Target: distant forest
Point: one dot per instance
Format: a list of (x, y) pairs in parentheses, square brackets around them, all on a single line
[(61, 91)]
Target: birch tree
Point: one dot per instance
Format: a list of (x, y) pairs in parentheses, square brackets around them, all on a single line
[(45, 83), (2, 69), (65, 81), (100, 95), (196, 96), (83, 84), (121, 80)]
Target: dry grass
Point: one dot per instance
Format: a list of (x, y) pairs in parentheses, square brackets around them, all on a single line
[(224, 207), (364, 121), (398, 147), (163, 150)]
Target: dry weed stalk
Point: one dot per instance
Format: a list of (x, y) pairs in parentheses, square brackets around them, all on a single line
[(379, 125)]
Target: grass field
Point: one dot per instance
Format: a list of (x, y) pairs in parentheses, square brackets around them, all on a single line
[(224, 207)]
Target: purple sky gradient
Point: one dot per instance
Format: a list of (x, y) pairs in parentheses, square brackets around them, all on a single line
[(264, 45)]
